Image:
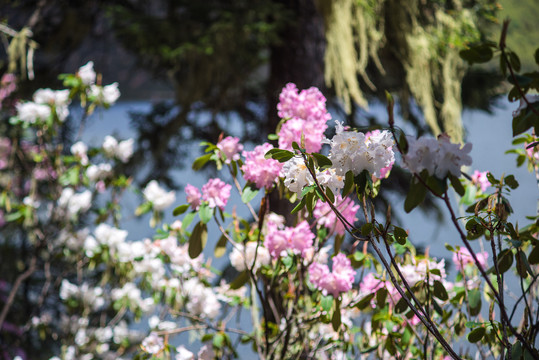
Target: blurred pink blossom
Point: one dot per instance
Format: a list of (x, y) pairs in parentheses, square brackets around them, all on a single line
[(193, 196), (480, 178), (299, 239), (339, 280), (462, 258), (327, 218), (216, 193), (231, 148), (258, 169)]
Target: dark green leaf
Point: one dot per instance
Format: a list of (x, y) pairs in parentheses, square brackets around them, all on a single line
[(438, 186), (533, 258), (143, 208), (516, 351), (457, 185), (365, 302), (336, 320), (401, 306), (400, 235), (511, 182), (439, 291), (536, 55), (476, 334), (366, 229), (198, 239), (416, 195), (322, 160), (201, 161), (180, 209), (381, 297), (241, 280), (299, 206), (330, 195), (514, 61), (248, 194), (477, 54), (505, 260), (521, 264), (348, 182)]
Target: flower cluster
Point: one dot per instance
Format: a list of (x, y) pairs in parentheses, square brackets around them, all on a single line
[(353, 151), (215, 192), (326, 217), (230, 148), (297, 239), (339, 280), (439, 156), (259, 170), (159, 198), (305, 114), (480, 179)]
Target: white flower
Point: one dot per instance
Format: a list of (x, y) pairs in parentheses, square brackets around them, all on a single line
[(244, 256), (296, 174), (110, 236), (30, 112), (68, 290), (184, 354), (80, 150), (439, 157), (353, 151), (74, 203), (160, 198), (29, 201), (201, 300), (153, 344), (87, 73), (105, 94), (103, 334), (523, 104), (329, 178), (98, 172), (59, 99), (125, 150), (109, 145)]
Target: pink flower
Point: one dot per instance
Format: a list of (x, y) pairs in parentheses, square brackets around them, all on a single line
[(309, 104), (327, 218), (339, 280), (193, 196), (370, 284), (462, 257), (480, 179), (299, 239), (5, 150), (216, 193), (231, 148), (306, 113), (258, 169)]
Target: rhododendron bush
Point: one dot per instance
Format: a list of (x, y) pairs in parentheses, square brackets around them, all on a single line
[(331, 279)]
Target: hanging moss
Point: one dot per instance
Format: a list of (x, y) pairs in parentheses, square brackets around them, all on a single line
[(425, 38)]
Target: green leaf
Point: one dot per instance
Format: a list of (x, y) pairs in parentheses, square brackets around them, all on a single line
[(248, 194), (401, 306), (197, 240), (322, 160), (416, 195), (536, 55), (521, 264), (220, 247), (143, 208), (439, 291), (516, 351), (476, 334), (299, 206), (457, 185), (188, 219), (201, 161), (330, 195), (241, 280), (327, 303), (180, 209), (475, 229), (511, 182), (514, 61), (205, 213), (273, 137), (400, 235), (505, 260), (474, 300), (218, 340)]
